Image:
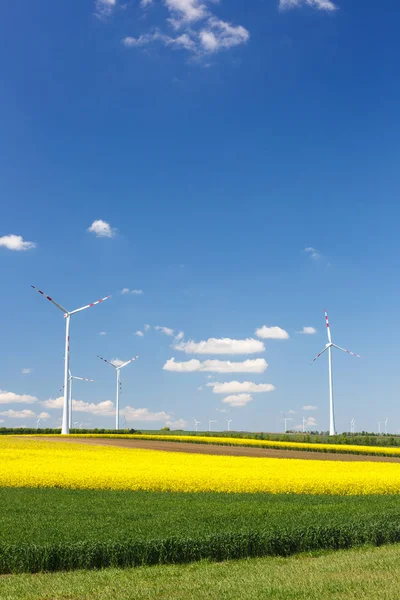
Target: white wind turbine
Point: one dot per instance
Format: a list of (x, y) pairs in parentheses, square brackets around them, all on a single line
[(229, 421), (329, 346), (386, 422), (210, 422), (70, 379), (352, 425), (286, 420), (118, 369), (196, 423), (67, 315)]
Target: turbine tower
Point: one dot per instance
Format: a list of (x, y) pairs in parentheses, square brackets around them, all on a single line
[(229, 421), (118, 369), (329, 346), (196, 423), (67, 315)]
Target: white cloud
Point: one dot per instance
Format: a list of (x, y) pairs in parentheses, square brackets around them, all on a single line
[(18, 414), (16, 242), (102, 333), (147, 327), (308, 330), (313, 253), (237, 387), (104, 8), (258, 365), (272, 333), (143, 414), (145, 3), (179, 424), (319, 4), (11, 398), (220, 35), (221, 346), (238, 400), (139, 333), (165, 330), (134, 292), (44, 416), (53, 403), (291, 412), (309, 407), (105, 408), (201, 34), (310, 422), (26, 371), (102, 229), (222, 410), (179, 336)]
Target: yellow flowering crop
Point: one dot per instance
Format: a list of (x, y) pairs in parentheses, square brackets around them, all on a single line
[(227, 441), (40, 463)]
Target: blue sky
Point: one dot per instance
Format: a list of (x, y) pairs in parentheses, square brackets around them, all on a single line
[(217, 141)]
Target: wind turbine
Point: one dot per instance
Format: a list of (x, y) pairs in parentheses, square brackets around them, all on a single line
[(210, 421), (229, 421), (67, 315), (118, 369), (70, 379), (286, 420), (37, 423), (125, 423), (386, 422), (196, 423), (329, 346), (353, 425)]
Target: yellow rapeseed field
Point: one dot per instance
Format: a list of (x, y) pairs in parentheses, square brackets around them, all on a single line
[(41, 463), (230, 441)]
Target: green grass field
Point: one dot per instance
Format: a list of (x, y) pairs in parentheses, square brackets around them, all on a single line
[(54, 529), (364, 574)]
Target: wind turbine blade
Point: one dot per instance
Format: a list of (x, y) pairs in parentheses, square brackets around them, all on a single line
[(89, 305), (318, 355), (328, 329), (347, 351), (82, 378), (127, 362), (106, 361), (64, 310)]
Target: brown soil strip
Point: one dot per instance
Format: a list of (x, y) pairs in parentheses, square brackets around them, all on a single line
[(219, 450)]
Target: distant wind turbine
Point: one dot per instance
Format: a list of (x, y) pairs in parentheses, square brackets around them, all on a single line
[(196, 423), (386, 422), (70, 379), (37, 423), (286, 420), (118, 369), (229, 421), (210, 421), (329, 346), (67, 316), (353, 425)]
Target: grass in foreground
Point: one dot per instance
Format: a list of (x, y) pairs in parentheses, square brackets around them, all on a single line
[(50, 529), (371, 574)]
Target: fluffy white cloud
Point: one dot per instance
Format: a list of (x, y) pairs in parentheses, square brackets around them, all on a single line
[(309, 407), (237, 387), (179, 424), (16, 242), (221, 346), (258, 365), (165, 330), (102, 229), (18, 414), (26, 371), (11, 398), (179, 336), (53, 402), (201, 34), (319, 4), (102, 333), (272, 333), (44, 416), (313, 253), (310, 422), (147, 327), (139, 333), (104, 8), (143, 414), (291, 412), (105, 408), (134, 292), (308, 330), (238, 400)]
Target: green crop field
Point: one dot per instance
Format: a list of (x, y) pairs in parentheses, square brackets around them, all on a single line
[(54, 529), (365, 574)]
